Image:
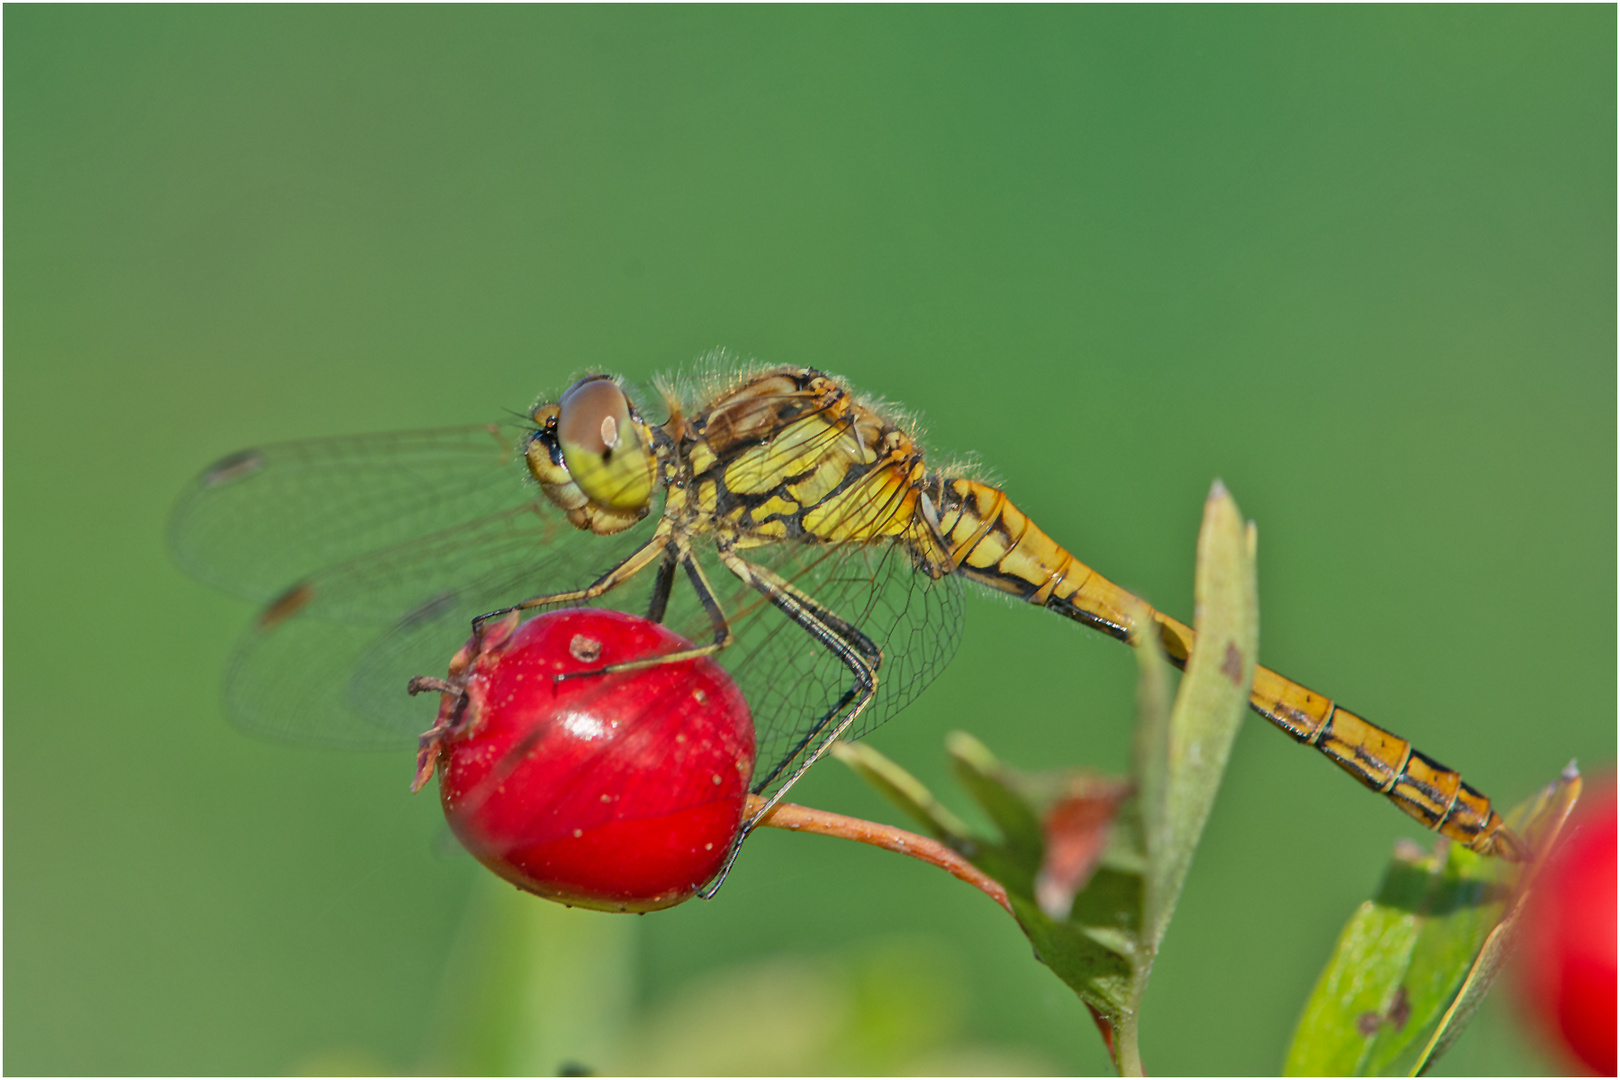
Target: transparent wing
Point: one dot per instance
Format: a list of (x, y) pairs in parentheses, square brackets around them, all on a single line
[(328, 662), (257, 521), (794, 684), (796, 687), (410, 535)]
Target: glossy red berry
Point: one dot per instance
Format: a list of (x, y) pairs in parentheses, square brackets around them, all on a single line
[(621, 791), (1567, 955)]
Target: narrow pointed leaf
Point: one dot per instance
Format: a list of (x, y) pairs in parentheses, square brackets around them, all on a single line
[(1211, 703), (1414, 963), (1363, 1001), (1150, 743), (1179, 761), (1091, 950), (1095, 965), (1127, 884), (1540, 821), (906, 792), (987, 780)]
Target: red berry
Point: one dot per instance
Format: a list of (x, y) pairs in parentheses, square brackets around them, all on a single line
[(622, 791), (1567, 960)]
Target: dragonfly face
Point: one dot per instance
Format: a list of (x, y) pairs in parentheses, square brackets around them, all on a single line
[(823, 564)]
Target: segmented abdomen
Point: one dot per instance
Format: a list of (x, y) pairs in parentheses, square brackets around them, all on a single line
[(988, 539)]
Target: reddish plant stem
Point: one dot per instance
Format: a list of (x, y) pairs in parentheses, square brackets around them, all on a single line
[(823, 823)]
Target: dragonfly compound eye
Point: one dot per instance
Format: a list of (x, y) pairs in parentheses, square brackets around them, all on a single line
[(607, 447)]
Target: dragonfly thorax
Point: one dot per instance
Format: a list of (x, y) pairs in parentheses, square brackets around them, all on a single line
[(793, 455)]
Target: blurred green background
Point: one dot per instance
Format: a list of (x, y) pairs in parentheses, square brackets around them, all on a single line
[(1359, 263)]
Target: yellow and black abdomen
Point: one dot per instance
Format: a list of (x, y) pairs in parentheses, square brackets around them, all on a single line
[(990, 540)]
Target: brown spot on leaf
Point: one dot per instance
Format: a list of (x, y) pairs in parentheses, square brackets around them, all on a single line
[(1232, 664), (1400, 1010)]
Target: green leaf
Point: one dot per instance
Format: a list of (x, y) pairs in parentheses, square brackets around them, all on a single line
[(1090, 951), (1150, 744), (1539, 821), (1465, 903), (1361, 998), (1104, 949), (1210, 706), (906, 792), (1016, 859), (995, 787), (1179, 760), (1414, 963), (1094, 961)]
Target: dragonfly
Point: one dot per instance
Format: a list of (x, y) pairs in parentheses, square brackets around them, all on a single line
[(789, 524)]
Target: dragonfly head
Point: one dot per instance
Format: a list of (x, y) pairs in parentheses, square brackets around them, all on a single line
[(593, 456)]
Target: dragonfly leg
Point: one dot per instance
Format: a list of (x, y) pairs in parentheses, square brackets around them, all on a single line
[(773, 586), (706, 597), (637, 561), (661, 587), (844, 641), (849, 645)]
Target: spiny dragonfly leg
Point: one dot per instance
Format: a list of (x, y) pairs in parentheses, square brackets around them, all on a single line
[(849, 636), (705, 595), (840, 638), (638, 561), (782, 593)]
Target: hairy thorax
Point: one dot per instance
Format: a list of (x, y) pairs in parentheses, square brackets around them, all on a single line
[(792, 454)]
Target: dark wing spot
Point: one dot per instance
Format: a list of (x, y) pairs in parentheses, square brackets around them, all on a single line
[(286, 605), (228, 470)]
